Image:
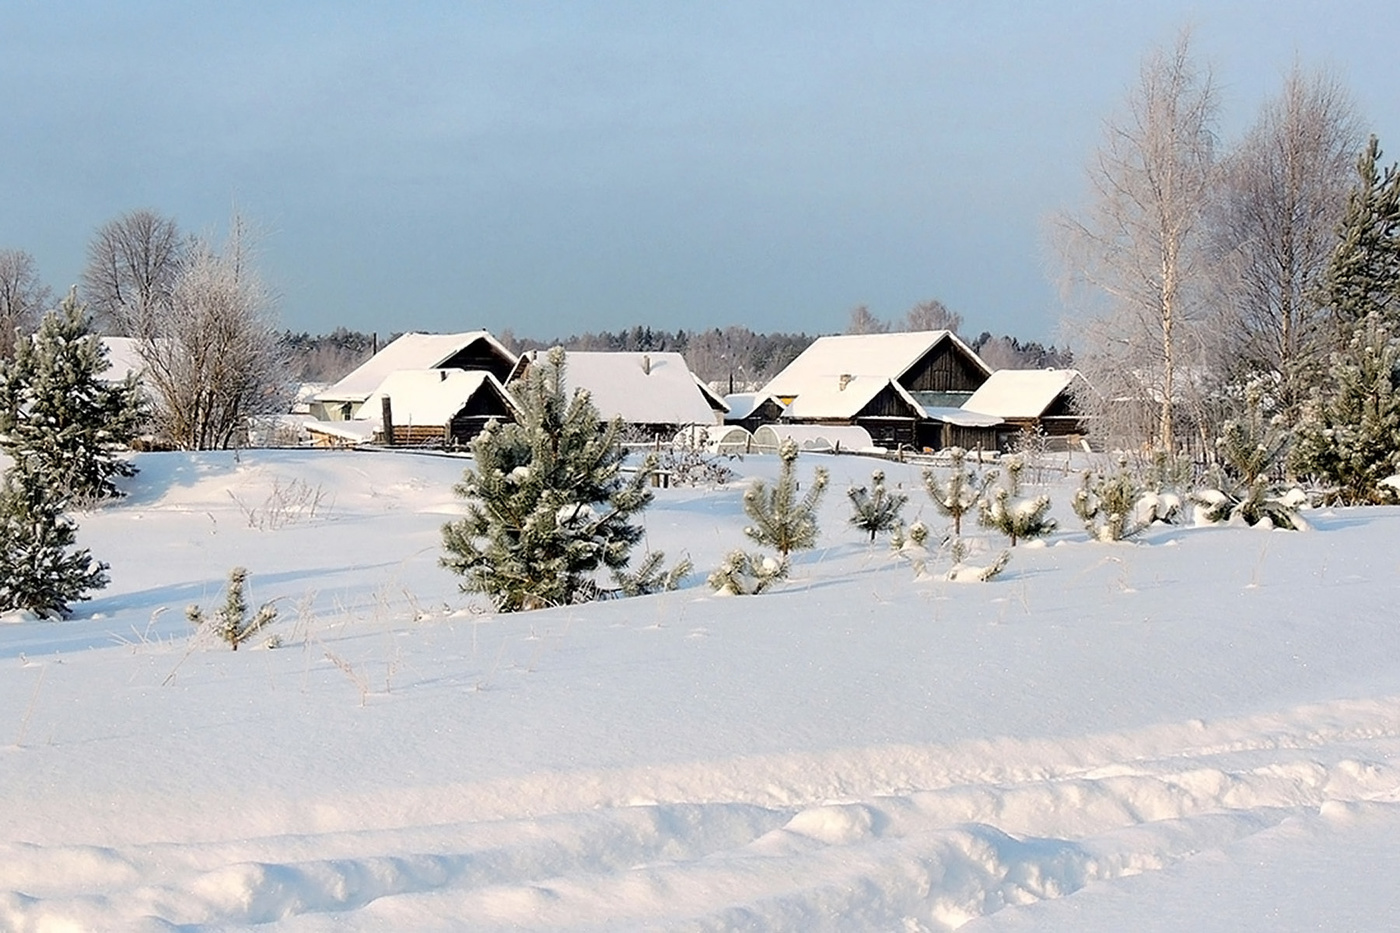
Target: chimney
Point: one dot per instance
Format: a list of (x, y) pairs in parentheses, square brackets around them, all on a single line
[(846, 380)]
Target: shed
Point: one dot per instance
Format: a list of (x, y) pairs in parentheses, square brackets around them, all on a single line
[(1031, 399), (436, 406)]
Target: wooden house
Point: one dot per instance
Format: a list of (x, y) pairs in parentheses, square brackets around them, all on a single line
[(905, 389), (655, 394), (472, 351), (1031, 400), (750, 410)]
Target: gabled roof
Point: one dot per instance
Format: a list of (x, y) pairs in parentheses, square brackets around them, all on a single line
[(844, 397), (1021, 393), (429, 396), (886, 355), (639, 388), (743, 404), (410, 351)]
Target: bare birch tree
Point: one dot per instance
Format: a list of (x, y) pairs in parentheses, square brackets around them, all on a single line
[(1138, 246), (131, 269), (23, 298), (212, 354), (1282, 194), (863, 322), (932, 315)]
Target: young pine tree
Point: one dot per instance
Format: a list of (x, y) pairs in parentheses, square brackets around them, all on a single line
[(40, 570), (55, 411), (875, 509), (1108, 503), (1015, 516), (961, 492), (547, 502), (1349, 437), (231, 621), (780, 520)]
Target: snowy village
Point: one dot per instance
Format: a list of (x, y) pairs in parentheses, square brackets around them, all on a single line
[(914, 621)]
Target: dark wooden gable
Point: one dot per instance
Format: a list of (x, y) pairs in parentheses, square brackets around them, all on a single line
[(485, 403), (888, 403), (946, 367), (478, 355)]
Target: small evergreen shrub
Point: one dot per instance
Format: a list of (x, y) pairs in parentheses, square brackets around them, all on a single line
[(1110, 504), (231, 621), (960, 492), (875, 509), (1250, 451), (746, 574), (780, 520), (650, 577), (1007, 511)]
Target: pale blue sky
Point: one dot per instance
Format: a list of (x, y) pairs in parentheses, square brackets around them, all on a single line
[(560, 167)]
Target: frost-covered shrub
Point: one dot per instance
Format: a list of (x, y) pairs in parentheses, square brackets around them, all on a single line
[(960, 492), (689, 464), (1111, 505), (875, 509), (779, 519), (1244, 491), (746, 574), (231, 621), (1016, 516), (962, 572)]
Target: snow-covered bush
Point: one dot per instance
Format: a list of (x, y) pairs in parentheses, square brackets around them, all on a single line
[(960, 493), (780, 520), (39, 570), (1348, 437), (231, 621), (962, 572), (547, 501), (1244, 491), (689, 464), (54, 407), (745, 574), (1113, 506), (1016, 516), (875, 509)]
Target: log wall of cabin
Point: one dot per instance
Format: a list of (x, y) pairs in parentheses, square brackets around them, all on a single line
[(945, 368)]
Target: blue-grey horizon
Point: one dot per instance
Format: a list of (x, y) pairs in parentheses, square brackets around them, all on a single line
[(555, 168)]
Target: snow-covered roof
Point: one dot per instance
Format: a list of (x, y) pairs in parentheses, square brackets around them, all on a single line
[(962, 417), (886, 355), (639, 388), (813, 436), (743, 404), (122, 359), (428, 396), (1020, 393), (410, 351), (351, 432), (843, 397)]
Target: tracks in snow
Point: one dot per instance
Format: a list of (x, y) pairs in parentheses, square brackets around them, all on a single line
[(877, 838)]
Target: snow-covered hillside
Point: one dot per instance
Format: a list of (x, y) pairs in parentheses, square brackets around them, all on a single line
[(1199, 730)]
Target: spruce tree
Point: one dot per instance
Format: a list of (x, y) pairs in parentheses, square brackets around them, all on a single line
[(1349, 436), (547, 501), (40, 570), (780, 520), (1364, 275), (56, 411), (875, 509)]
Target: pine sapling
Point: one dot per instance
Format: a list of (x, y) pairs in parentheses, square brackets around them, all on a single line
[(1110, 504), (231, 621), (40, 570), (780, 520), (1251, 450), (876, 509), (961, 492), (746, 574), (1015, 516), (650, 577)]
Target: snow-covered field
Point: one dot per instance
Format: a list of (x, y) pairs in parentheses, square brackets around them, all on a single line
[(1199, 730)]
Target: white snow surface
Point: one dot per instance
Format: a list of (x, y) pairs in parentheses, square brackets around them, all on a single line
[(1197, 730)]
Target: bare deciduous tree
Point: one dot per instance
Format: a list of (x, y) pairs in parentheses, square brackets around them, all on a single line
[(1139, 245), (932, 315), (23, 298), (132, 265), (1282, 193), (213, 357), (863, 322)]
